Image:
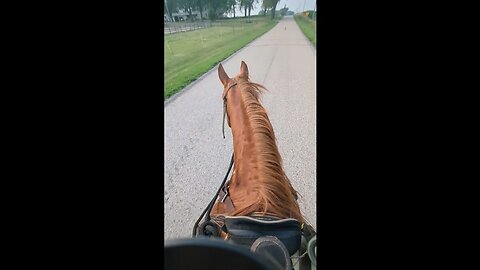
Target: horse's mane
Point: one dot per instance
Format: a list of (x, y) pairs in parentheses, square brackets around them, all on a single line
[(275, 192)]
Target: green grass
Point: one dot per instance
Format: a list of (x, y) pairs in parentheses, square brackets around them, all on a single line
[(189, 55), (308, 27)]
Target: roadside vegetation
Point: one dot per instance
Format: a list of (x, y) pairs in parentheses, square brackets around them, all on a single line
[(188, 55), (308, 24)]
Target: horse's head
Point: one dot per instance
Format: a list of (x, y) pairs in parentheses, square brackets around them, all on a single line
[(227, 81), (234, 88)]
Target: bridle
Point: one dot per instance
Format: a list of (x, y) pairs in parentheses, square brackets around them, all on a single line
[(225, 107)]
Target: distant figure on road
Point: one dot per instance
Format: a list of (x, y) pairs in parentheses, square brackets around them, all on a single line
[(285, 27)]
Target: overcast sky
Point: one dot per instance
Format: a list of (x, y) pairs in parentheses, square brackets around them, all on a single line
[(292, 5)]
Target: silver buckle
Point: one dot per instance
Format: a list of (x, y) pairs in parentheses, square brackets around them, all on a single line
[(224, 196)]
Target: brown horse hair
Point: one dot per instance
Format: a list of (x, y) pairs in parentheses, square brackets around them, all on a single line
[(275, 193)]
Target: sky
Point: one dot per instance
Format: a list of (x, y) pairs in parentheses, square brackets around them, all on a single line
[(292, 5)]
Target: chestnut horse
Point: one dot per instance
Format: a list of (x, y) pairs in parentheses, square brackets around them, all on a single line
[(258, 184)]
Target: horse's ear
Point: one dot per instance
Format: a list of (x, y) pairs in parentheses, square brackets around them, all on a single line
[(223, 75), (244, 70)]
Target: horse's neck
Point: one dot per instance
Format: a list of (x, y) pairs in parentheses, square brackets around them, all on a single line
[(244, 144), (250, 166), (246, 168)]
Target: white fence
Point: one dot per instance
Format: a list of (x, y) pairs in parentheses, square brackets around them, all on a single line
[(174, 27)]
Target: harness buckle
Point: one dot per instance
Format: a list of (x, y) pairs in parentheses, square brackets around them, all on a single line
[(225, 195)]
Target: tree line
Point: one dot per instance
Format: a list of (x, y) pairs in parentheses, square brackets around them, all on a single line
[(215, 6)]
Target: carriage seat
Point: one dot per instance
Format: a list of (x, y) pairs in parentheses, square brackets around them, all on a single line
[(244, 230)]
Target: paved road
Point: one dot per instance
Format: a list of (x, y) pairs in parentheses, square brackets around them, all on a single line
[(197, 156)]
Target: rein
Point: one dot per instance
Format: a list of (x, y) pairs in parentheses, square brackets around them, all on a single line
[(212, 202), (207, 211)]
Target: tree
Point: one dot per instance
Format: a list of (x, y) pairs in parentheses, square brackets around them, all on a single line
[(231, 5), (214, 6), (272, 4), (247, 5), (200, 5), (250, 5), (243, 4), (275, 2), (172, 6), (266, 4), (284, 10)]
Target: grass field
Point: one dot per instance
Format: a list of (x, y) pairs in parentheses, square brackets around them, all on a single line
[(189, 55), (308, 27)]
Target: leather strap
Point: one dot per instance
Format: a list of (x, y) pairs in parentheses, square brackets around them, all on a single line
[(225, 108), (225, 198)]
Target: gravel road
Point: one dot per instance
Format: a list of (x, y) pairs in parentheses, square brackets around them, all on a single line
[(197, 156)]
